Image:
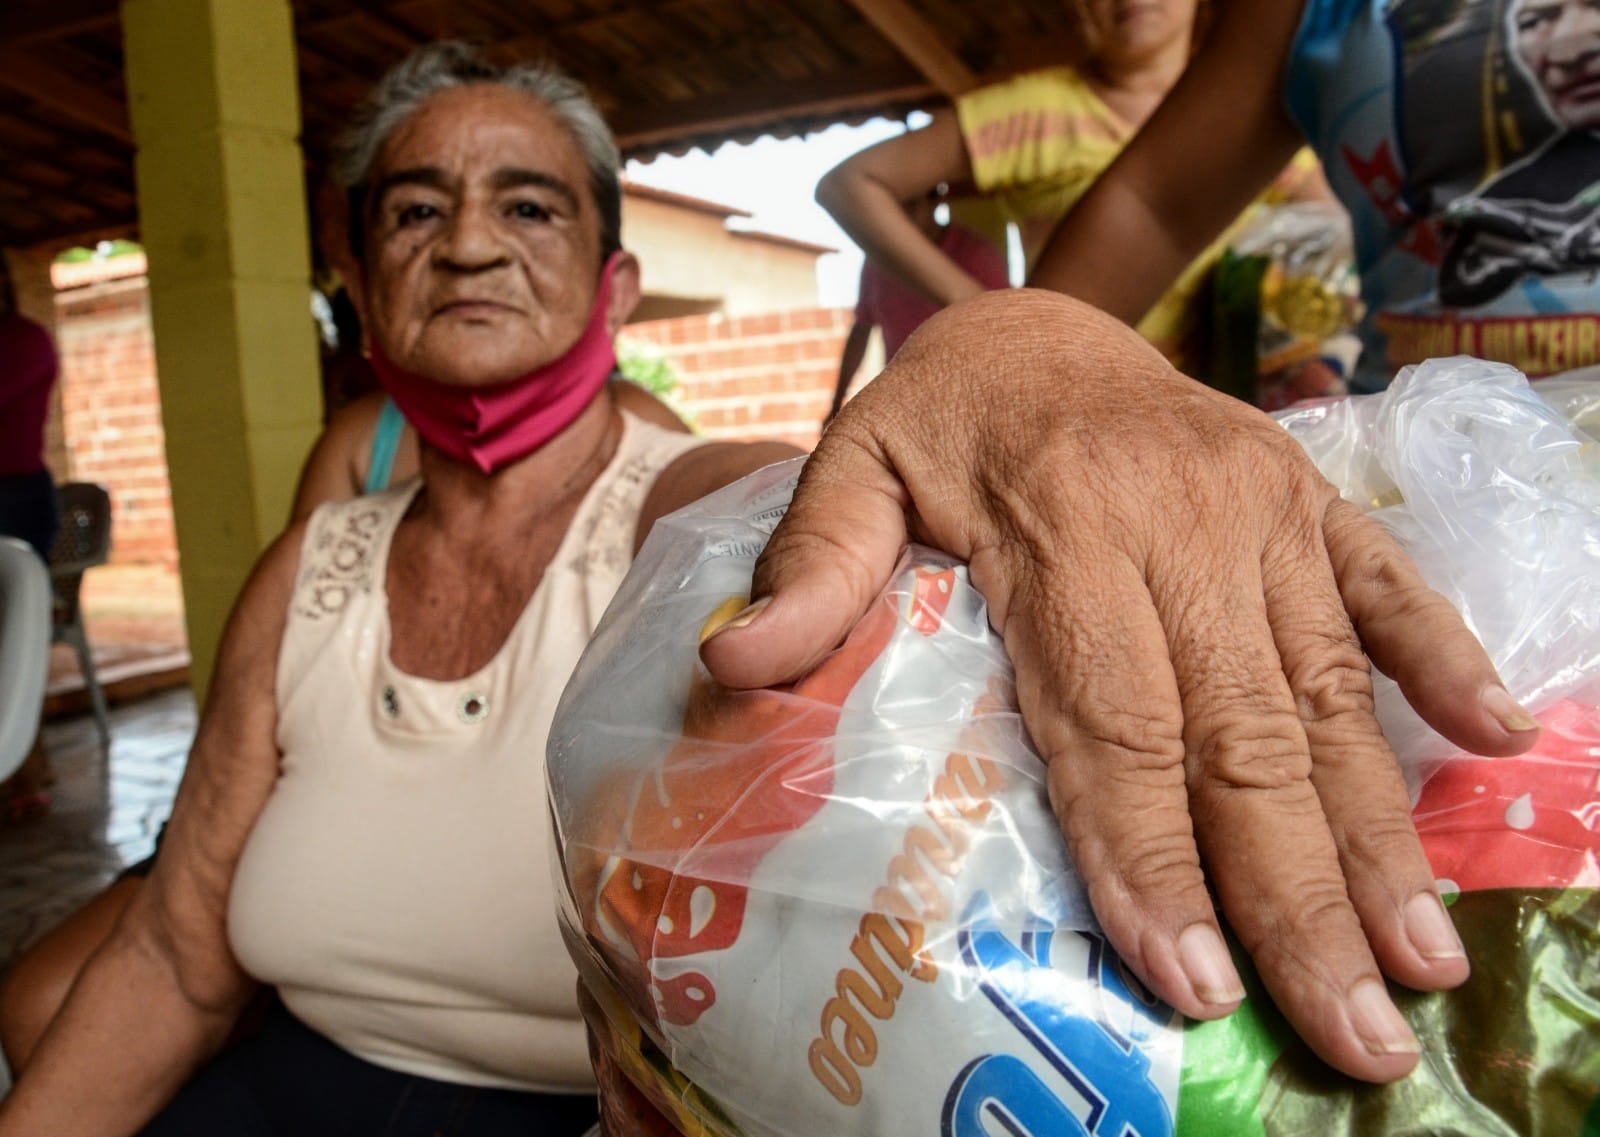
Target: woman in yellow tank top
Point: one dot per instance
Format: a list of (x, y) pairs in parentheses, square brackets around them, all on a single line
[(1033, 144)]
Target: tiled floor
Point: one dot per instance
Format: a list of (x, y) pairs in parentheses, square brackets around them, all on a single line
[(103, 818)]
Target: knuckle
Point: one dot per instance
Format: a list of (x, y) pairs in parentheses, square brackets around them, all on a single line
[(1294, 938), (1261, 757), (1263, 449), (1159, 866), (1148, 738), (1417, 604), (1380, 842), (1026, 513), (799, 545), (1195, 476), (1337, 685), (1142, 869), (1378, 571), (1392, 591), (1143, 771)]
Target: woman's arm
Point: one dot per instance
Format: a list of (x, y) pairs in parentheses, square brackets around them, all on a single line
[(162, 994), (337, 466), (1220, 136), (865, 194)]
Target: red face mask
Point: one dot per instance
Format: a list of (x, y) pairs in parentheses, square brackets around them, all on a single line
[(492, 427)]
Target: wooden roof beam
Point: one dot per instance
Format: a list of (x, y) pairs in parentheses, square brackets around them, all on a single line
[(25, 214), (55, 19), (751, 107), (80, 152), (908, 31), (56, 235), (91, 193), (379, 24), (21, 72)]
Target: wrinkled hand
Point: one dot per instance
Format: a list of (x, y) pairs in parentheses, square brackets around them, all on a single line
[(1186, 601)]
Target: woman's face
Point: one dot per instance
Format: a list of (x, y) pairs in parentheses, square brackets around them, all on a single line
[(1129, 32), (1558, 42), (483, 240)]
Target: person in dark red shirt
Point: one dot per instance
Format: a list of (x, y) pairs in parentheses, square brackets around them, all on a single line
[(28, 369)]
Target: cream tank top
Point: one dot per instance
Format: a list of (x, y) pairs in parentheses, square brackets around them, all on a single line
[(398, 888)]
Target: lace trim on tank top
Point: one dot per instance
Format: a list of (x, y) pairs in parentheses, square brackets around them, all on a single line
[(346, 537), (337, 562), (605, 544)]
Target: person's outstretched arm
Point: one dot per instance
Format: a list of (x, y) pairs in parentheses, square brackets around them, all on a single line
[(162, 994), (1214, 143), (865, 192), (1186, 601)]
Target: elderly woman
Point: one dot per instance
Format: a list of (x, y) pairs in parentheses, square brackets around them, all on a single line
[(361, 823)]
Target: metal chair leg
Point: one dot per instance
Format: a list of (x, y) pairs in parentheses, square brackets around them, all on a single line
[(97, 697)]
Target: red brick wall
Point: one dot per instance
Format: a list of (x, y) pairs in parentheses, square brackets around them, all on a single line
[(111, 414), (763, 376)]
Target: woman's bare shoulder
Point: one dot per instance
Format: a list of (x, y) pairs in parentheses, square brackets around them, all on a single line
[(337, 466)]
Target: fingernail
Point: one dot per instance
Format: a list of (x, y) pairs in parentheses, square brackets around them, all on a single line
[(1429, 927), (1209, 968), (1506, 710), (742, 618), (721, 614), (1377, 1022)]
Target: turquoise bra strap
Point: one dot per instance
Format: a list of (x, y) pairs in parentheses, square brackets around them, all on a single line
[(385, 441)]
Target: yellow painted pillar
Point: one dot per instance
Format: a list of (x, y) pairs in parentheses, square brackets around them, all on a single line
[(212, 95)]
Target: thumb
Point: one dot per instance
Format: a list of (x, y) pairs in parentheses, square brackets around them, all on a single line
[(832, 554)]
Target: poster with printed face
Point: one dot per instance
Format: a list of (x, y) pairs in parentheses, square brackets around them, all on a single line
[(1518, 197), (1464, 137)]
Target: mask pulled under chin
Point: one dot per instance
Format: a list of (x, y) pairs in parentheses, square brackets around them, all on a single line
[(492, 427)]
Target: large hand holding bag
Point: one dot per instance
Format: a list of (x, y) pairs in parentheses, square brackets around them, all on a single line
[(844, 908)]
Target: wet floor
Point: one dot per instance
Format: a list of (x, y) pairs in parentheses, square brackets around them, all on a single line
[(105, 815)]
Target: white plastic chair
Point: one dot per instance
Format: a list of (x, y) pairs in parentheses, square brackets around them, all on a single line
[(24, 649)]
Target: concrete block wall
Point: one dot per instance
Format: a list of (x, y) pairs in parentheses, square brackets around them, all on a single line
[(759, 376), (111, 414)]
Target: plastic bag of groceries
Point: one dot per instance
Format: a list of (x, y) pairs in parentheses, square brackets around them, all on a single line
[(843, 908), (1493, 487), (1285, 304)]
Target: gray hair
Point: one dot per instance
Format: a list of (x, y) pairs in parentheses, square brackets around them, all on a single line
[(442, 66)]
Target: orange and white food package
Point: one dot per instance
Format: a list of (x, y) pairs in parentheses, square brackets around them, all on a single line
[(845, 908)]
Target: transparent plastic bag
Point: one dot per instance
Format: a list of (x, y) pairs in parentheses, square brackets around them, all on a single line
[(844, 907), (1285, 305), (1495, 493), (861, 819)]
